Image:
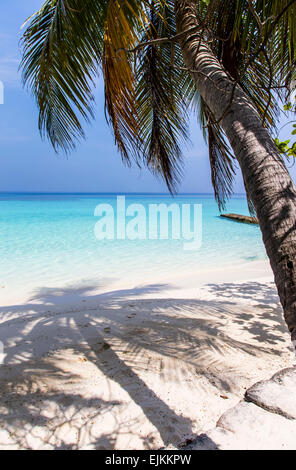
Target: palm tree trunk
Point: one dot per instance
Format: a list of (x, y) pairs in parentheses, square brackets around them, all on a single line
[(267, 180)]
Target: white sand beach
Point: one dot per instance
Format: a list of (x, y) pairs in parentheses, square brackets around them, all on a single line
[(147, 181), (114, 366)]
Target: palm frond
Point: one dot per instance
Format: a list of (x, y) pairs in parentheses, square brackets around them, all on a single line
[(162, 98), (237, 35), (122, 32), (222, 161), (148, 90), (145, 94), (62, 51), (256, 46)]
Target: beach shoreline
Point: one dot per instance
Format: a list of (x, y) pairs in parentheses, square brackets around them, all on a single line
[(176, 284)]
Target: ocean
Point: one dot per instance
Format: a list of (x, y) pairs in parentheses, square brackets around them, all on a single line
[(52, 239)]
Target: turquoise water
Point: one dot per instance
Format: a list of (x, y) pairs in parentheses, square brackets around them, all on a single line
[(50, 239)]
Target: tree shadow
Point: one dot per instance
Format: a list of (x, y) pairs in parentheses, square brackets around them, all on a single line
[(268, 321), (118, 339)]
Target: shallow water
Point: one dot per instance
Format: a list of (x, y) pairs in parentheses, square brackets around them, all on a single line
[(50, 239)]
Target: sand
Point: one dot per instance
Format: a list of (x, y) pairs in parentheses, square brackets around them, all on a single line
[(107, 365)]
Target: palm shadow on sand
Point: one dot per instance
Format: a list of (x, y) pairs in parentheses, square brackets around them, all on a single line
[(104, 330)]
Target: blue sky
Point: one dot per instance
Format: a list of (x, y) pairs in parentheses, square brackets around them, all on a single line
[(30, 165)]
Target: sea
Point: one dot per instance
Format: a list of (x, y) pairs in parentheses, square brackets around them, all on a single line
[(57, 239)]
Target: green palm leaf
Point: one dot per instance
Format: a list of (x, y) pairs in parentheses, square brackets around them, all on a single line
[(162, 98), (62, 51), (147, 87)]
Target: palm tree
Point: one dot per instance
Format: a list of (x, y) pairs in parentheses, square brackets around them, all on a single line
[(229, 61)]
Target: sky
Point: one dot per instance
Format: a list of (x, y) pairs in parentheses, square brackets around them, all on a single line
[(29, 164)]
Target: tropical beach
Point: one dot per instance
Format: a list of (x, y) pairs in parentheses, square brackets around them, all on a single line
[(137, 368), (152, 305), (139, 362)]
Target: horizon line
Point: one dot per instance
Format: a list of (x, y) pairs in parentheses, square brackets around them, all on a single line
[(113, 193)]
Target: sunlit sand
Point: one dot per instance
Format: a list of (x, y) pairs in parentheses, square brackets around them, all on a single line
[(136, 367)]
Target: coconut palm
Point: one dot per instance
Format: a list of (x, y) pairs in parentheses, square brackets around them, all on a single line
[(231, 62)]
